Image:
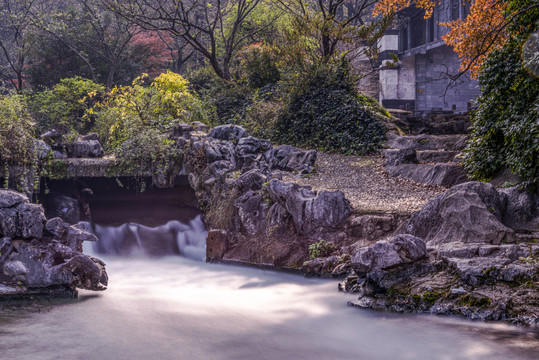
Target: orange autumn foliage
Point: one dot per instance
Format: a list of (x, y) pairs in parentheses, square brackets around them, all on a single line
[(476, 36), (389, 7), (472, 38)]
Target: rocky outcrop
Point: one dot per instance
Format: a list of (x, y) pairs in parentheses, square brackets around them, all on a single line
[(467, 213), (254, 217), (84, 149), (40, 256), (387, 254), (308, 209), (463, 253)]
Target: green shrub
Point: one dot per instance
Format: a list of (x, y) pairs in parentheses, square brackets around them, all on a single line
[(505, 127), (321, 248), (65, 107), (258, 65), (16, 131), (17, 143), (260, 118), (227, 100), (136, 122), (324, 111)]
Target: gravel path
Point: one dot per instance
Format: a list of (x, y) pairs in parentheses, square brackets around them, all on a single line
[(365, 183)]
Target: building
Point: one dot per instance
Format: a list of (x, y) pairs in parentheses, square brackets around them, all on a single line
[(418, 81)]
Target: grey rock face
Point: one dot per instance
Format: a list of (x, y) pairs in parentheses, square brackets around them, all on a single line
[(289, 158), (18, 217), (10, 198), (6, 247), (57, 264), (220, 168), (30, 219), (310, 211), (252, 211), (8, 222), (428, 142), (84, 149), (436, 156), (468, 213), (219, 150), (520, 209), (385, 254), (52, 137), (251, 180), (228, 132), (252, 146)]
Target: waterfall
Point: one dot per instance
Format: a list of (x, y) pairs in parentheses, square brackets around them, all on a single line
[(129, 239)]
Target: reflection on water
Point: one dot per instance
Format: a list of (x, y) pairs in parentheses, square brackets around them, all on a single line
[(174, 308)]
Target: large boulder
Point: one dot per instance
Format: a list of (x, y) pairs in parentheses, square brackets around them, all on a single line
[(85, 149), (249, 152), (309, 210), (251, 180), (30, 220), (18, 217), (521, 209), (251, 146), (55, 264), (468, 213), (289, 158), (219, 150), (182, 129), (10, 198), (228, 132), (386, 254)]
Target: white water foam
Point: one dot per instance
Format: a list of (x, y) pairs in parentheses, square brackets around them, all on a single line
[(132, 239)]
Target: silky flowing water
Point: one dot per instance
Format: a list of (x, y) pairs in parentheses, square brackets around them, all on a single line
[(178, 308)]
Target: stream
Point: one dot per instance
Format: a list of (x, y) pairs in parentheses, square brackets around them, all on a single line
[(175, 307)]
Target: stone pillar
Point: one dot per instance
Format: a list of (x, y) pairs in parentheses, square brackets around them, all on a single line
[(397, 80)]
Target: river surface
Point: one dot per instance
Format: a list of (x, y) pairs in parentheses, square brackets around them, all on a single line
[(177, 308)]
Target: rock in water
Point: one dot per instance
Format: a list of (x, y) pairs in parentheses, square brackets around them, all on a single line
[(40, 256)]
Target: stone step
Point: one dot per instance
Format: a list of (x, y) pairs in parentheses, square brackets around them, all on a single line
[(436, 156), (443, 174), (428, 142)]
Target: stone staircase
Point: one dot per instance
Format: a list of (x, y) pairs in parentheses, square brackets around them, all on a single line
[(426, 159)]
